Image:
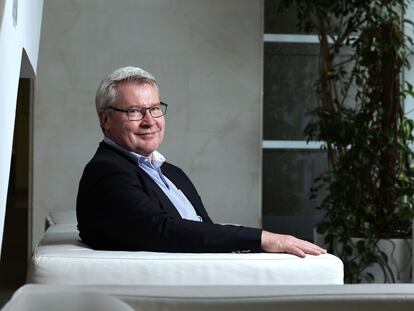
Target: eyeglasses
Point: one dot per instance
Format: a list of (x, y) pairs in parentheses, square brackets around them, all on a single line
[(136, 114)]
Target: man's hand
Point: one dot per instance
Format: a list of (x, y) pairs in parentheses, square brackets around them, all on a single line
[(281, 243)]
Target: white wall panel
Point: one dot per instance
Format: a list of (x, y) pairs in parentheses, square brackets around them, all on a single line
[(16, 34)]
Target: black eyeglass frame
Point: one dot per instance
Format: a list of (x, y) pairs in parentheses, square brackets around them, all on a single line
[(143, 111)]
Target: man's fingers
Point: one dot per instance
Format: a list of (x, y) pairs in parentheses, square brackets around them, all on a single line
[(297, 251), (313, 249), (315, 252), (280, 243)]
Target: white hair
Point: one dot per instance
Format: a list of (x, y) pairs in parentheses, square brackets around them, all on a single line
[(107, 93)]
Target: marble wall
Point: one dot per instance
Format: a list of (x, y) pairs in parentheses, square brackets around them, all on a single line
[(207, 58)]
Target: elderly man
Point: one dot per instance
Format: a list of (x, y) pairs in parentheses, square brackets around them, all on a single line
[(130, 198)]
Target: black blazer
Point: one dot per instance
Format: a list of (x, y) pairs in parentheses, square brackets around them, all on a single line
[(119, 207)]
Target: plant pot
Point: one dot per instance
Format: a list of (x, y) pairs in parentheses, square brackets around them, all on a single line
[(399, 261), (399, 254)]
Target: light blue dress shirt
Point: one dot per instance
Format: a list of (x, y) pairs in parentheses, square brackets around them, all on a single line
[(153, 169)]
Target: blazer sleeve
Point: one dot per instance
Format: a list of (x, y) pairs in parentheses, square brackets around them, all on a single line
[(117, 210)]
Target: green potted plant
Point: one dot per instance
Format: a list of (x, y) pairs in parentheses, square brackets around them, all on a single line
[(359, 115)]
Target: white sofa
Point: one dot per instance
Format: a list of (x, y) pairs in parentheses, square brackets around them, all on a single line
[(61, 258), (373, 297)]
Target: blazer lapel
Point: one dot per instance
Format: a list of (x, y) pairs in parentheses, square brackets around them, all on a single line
[(147, 181), (166, 204), (188, 189), (183, 184)]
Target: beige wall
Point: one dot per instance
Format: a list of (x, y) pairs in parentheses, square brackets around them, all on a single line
[(207, 57)]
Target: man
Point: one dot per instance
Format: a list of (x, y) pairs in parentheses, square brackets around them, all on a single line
[(130, 198)]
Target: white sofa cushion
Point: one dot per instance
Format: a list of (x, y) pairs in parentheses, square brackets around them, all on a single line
[(61, 258), (367, 297)]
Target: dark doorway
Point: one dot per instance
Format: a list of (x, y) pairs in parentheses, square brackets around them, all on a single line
[(14, 252)]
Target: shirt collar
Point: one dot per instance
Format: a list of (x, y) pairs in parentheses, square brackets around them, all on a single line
[(157, 158)]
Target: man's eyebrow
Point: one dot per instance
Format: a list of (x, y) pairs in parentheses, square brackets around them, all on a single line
[(139, 108), (129, 107)]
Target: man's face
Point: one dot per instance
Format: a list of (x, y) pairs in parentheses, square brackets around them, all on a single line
[(143, 136)]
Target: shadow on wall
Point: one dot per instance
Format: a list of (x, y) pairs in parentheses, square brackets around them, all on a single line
[(2, 4)]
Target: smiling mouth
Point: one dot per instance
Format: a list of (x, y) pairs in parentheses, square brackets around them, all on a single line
[(147, 134)]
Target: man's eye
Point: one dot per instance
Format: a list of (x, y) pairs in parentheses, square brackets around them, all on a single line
[(155, 108), (134, 110)]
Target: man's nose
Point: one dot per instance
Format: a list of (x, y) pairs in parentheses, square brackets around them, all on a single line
[(148, 119)]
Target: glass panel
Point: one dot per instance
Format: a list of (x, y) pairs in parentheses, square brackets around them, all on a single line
[(290, 71), (280, 23), (288, 176)]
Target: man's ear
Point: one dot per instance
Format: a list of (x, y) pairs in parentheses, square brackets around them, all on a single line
[(104, 120)]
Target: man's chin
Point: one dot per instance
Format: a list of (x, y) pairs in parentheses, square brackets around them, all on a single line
[(146, 150)]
